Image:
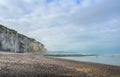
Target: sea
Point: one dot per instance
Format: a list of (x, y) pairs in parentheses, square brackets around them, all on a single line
[(104, 58)]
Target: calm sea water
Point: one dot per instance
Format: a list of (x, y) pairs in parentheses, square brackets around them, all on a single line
[(111, 59)]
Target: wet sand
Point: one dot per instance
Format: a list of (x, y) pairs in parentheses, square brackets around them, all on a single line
[(29, 65)]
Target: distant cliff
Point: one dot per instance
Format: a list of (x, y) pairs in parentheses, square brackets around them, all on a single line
[(11, 41)]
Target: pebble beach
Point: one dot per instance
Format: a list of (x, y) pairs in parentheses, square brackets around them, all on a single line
[(29, 65)]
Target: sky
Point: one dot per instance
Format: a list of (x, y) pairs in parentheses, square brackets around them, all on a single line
[(66, 25)]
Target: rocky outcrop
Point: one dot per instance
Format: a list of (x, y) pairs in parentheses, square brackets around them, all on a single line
[(11, 41)]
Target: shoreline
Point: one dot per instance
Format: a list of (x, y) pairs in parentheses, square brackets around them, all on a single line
[(93, 58), (82, 61), (68, 55), (28, 65)]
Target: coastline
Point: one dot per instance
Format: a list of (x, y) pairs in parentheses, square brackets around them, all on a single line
[(69, 55), (29, 65)]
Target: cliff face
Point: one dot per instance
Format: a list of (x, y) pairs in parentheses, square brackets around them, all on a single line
[(12, 41)]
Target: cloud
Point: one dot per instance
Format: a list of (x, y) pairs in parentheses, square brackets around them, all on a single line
[(84, 25)]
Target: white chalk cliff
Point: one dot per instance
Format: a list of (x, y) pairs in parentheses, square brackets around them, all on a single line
[(11, 41)]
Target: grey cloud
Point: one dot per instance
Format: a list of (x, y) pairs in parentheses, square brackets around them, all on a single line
[(62, 26)]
